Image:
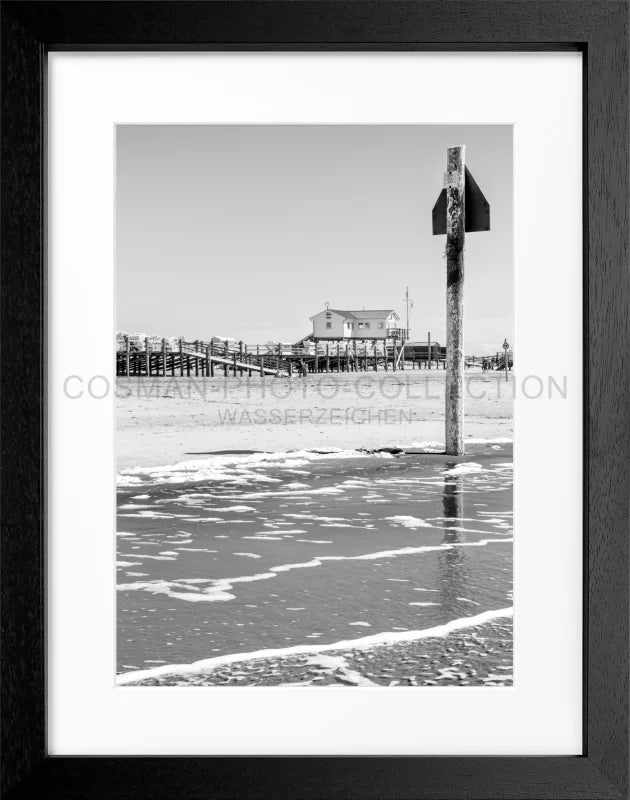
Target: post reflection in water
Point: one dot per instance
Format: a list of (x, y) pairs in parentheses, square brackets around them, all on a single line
[(453, 578)]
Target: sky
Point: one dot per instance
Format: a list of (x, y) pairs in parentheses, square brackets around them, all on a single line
[(248, 230)]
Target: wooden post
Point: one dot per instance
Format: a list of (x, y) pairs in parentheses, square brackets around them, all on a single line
[(385, 353), (394, 355), (327, 357), (455, 236), (278, 356), (211, 348), (181, 359), (147, 356), (375, 356), (316, 366), (429, 350), (261, 361), (164, 357), (338, 365)]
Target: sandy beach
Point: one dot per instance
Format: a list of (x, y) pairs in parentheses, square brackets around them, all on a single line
[(310, 531), (170, 420)]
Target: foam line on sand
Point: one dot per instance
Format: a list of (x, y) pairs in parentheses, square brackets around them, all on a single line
[(239, 467), (363, 643)]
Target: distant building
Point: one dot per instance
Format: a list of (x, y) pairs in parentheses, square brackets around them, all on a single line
[(420, 351), (331, 323)]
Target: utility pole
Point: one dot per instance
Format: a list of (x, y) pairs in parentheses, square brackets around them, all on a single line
[(409, 304), (455, 237)]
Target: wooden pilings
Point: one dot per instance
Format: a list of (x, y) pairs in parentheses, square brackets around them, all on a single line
[(127, 355), (161, 358)]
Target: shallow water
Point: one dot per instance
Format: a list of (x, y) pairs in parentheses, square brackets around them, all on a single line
[(307, 550)]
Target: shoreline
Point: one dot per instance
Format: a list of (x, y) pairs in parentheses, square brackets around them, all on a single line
[(478, 654), (386, 639), (199, 469)]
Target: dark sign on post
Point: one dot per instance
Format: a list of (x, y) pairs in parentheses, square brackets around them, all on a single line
[(477, 209)]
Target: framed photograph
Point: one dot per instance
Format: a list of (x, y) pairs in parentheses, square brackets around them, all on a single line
[(314, 381)]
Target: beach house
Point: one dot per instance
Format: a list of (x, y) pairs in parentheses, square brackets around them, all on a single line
[(332, 323)]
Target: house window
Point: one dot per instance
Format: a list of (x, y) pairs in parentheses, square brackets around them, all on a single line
[(360, 325), (380, 324), (329, 325), (367, 324)]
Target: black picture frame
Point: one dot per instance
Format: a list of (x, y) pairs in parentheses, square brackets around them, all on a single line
[(599, 30)]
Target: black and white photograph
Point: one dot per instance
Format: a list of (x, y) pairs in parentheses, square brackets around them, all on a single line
[(315, 366)]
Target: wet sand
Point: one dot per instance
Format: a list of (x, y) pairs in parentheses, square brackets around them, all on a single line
[(480, 656)]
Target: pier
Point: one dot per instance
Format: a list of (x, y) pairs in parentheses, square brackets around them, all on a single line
[(236, 359)]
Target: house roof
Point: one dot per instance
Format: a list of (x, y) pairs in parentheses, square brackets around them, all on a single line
[(371, 314)]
